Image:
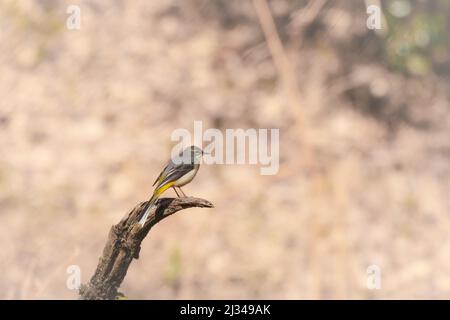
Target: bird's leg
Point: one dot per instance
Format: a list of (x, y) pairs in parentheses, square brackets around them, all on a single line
[(182, 192), (175, 188)]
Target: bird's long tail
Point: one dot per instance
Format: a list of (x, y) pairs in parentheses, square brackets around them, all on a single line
[(147, 208), (151, 202)]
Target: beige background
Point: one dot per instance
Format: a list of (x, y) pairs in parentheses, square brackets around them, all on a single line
[(85, 124)]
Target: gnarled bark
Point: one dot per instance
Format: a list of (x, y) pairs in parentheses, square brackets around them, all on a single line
[(124, 244)]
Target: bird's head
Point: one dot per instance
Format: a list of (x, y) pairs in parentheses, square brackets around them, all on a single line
[(192, 154)]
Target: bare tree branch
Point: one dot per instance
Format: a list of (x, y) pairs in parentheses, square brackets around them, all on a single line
[(124, 244)]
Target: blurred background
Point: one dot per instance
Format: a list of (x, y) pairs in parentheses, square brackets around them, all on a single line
[(364, 118)]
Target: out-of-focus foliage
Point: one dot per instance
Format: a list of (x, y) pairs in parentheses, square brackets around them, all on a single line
[(418, 40)]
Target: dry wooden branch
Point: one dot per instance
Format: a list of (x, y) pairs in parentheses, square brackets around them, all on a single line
[(285, 67), (124, 244)]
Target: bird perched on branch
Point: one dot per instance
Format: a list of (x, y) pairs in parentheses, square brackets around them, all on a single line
[(178, 172)]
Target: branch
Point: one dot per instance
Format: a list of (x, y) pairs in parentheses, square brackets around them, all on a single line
[(285, 68), (124, 244)]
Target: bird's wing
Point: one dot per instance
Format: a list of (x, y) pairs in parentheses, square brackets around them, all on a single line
[(174, 172), (168, 169), (163, 173)]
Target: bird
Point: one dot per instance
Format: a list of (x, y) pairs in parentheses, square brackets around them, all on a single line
[(178, 172)]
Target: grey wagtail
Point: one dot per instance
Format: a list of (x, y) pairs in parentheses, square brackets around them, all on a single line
[(177, 173)]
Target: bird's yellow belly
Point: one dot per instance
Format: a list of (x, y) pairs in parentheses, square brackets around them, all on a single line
[(186, 178)]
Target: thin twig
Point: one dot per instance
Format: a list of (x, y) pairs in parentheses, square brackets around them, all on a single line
[(287, 74)]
